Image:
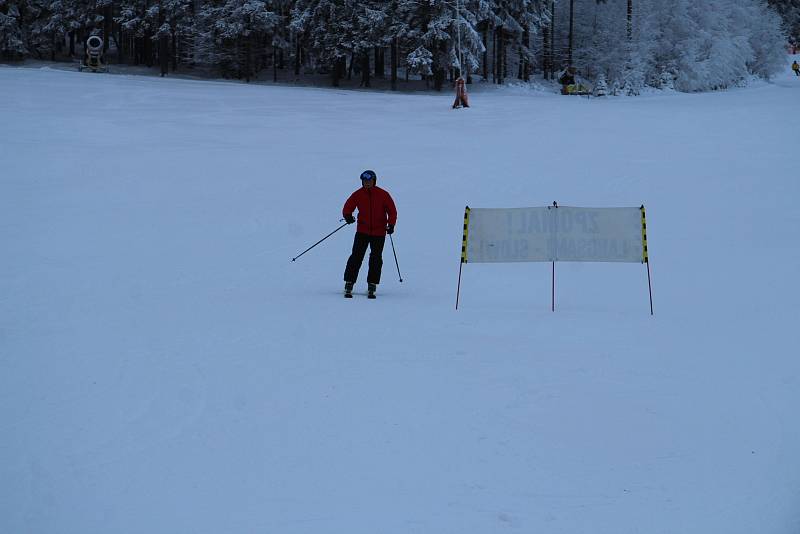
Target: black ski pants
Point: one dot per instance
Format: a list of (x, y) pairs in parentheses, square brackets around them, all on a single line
[(360, 243)]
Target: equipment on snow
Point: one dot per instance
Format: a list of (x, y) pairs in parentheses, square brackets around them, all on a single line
[(348, 290), (371, 288), (320, 241), (395, 256), (93, 56), (570, 85)]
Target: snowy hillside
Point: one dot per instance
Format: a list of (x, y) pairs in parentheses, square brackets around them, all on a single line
[(165, 367)]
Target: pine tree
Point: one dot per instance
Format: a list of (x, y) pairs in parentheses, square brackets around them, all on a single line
[(789, 11), (232, 32), (12, 38), (600, 85)]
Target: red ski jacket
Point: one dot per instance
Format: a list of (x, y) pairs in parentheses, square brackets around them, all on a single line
[(375, 209)]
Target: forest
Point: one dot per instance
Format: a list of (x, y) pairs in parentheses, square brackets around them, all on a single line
[(686, 45)]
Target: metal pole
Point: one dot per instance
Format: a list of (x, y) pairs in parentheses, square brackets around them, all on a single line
[(555, 255), (458, 291), (395, 258), (458, 29), (320, 241), (649, 288), (645, 257)]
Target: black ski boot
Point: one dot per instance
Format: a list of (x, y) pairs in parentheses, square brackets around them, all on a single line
[(371, 288), (348, 290)]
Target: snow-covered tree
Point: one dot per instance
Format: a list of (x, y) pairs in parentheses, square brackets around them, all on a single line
[(789, 11), (600, 85), (232, 33), (12, 37), (689, 45)]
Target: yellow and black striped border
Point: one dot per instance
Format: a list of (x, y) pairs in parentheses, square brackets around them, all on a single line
[(644, 236), (464, 238)]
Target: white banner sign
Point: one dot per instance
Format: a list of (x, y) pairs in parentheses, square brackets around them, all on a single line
[(501, 235)]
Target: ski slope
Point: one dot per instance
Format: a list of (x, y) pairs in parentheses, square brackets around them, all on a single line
[(165, 367)]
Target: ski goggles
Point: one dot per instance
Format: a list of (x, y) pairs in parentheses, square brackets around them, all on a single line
[(368, 175)]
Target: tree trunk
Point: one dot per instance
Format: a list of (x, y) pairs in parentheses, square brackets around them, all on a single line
[(504, 57), (485, 34), (551, 64), (248, 58), (439, 71), (630, 19), (274, 64), (108, 18), (394, 64), (352, 63), (298, 52), (571, 29), (365, 82), (526, 64), (118, 38), (163, 55), (337, 71), (72, 44), (379, 62), (438, 78), (499, 55), (163, 48), (148, 50), (494, 55), (173, 54)]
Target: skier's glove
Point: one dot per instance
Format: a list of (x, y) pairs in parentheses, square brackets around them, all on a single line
[(349, 219), (389, 228)]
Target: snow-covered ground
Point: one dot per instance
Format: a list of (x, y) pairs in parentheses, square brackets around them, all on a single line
[(165, 367)]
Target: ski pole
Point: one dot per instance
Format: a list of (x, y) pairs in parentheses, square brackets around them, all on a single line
[(320, 241), (395, 258)]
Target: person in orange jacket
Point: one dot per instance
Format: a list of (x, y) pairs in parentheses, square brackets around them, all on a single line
[(461, 94), (377, 216), (796, 68)]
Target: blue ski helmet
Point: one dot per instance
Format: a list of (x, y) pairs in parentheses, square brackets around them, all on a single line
[(369, 175)]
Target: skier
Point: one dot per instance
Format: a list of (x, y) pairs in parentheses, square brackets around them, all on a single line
[(461, 94), (796, 68), (377, 216)]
